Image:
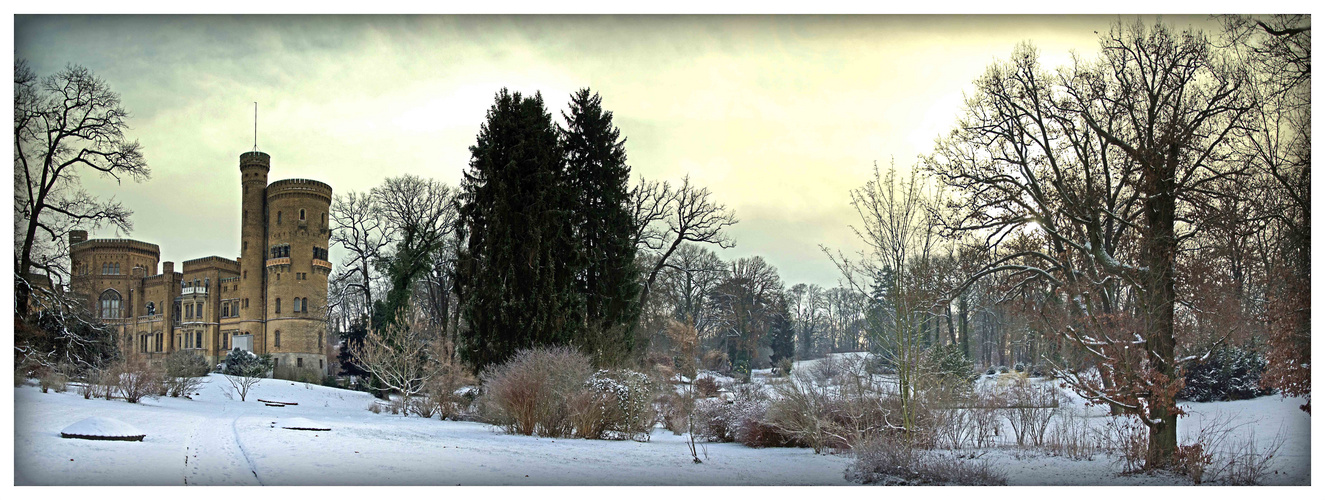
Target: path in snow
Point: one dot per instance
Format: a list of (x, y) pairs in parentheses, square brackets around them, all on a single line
[(213, 455)]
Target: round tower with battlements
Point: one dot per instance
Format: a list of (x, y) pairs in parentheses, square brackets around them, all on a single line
[(297, 268), (253, 168)]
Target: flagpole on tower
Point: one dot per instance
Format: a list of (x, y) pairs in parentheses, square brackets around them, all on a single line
[(255, 125)]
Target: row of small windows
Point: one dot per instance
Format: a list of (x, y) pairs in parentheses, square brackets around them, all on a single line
[(320, 253), (110, 268), (279, 251), (205, 283), (300, 304), (151, 343)]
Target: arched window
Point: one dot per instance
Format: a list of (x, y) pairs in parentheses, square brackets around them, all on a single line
[(278, 338), (278, 217), (110, 304), (305, 306), (301, 214), (324, 217), (278, 309)]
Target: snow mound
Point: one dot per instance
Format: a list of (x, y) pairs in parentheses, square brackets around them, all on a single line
[(102, 428), (302, 424)]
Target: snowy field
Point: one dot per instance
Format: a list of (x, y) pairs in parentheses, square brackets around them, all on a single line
[(214, 439)]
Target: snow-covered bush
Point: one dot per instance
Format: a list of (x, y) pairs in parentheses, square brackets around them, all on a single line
[(1228, 374), (744, 420), (706, 387), (615, 404), (531, 393), (893, 462)]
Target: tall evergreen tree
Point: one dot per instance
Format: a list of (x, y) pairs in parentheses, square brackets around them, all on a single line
[(596, 167), (516, 275), (782, 334)]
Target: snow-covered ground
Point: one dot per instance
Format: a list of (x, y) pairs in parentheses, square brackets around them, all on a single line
[(214, 439)]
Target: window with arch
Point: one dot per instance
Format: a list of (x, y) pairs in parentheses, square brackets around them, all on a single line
[(305, 306), (197, 342), (278, 338), (324, 218), (110, 304), (301, 214), (296, 304), (278, 306)]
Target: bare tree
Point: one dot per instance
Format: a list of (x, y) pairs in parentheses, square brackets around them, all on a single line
[(746, 302), (900, 236), (65, 125), (687, 214), (358, 226), (1099, 174)]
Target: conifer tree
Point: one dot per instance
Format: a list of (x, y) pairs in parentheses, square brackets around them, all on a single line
[(516, 272), (596, 167)]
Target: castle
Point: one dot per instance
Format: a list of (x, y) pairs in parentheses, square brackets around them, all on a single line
[(271, 300)]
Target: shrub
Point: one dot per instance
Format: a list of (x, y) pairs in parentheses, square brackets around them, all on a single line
[(706, 387), (716, 361), (633, 393), (673, 410), (784, 367), (1228, 374), (447, 377), (137, 379), (244, 370), (183, 373), (802, 411), (892, 462), (1030, 407), (53, 378), (531, 393)]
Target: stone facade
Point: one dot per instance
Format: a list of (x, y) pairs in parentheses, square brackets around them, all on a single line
[(271, 299)]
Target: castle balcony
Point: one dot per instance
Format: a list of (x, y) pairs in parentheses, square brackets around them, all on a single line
[(322, 263), (193, 290), (279, 261)]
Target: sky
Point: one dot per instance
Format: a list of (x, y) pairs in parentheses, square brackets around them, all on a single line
[(780, 117)]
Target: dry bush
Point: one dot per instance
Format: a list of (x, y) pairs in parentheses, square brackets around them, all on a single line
[(802, 411), (954, 427), (1128, 438), (1244, 462), (307, 375), (447, 376), (1215, 453), (137, 379), (1030, 408), (826, 370), (53, 378), (531, 392), (183, 373), (893, 462), (1071, 437), (716, 361), (375, 408), (673, 410), (706, 387), (784, 367)]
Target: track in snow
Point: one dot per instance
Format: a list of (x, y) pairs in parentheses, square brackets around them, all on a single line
[(213, 455)]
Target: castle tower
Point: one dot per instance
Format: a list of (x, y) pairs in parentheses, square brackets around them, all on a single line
[(297, 269), (253, 168)]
